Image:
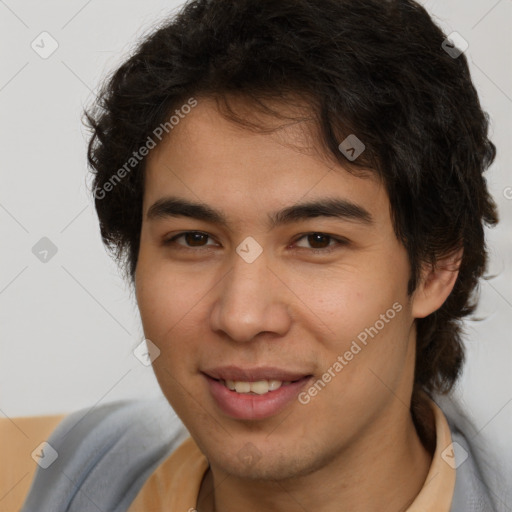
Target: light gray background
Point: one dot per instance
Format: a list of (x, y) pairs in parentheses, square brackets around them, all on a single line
[(69, 326)]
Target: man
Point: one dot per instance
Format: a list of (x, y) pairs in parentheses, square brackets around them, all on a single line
[(295, 191)]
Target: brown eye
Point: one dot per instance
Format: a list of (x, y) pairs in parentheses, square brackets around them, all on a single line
[(320, 242), (195, 239), (191, 238)]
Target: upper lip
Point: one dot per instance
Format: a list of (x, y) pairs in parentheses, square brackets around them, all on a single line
[(254, 374)]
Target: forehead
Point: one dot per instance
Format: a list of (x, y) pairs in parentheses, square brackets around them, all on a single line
[(209, 158)]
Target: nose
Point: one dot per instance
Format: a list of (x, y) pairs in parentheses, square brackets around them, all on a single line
[(251, 300)]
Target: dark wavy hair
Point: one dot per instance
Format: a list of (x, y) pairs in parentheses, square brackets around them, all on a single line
[(373, 68)]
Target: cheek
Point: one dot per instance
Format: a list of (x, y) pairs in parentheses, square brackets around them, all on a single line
[(154, 296), (174, 311), (163, 306), (369, 320), (166, 297), (344, 304)]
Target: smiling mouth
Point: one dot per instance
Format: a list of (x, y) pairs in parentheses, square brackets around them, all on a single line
[(260, 387), (257, 397)]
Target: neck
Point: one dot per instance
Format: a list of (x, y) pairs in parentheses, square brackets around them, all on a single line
[(384, 469)]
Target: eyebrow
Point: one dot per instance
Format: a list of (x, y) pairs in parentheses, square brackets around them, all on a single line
[(343, 209)]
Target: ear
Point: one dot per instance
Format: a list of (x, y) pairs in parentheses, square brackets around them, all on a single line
[(436, 284)]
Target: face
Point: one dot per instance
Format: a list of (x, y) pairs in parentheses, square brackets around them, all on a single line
[(305, 313)]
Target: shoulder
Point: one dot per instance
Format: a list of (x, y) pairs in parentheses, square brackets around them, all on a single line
[(475, 489), (471, 493), (104, 455)]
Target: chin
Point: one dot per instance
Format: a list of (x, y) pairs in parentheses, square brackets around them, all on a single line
[(252, 463)]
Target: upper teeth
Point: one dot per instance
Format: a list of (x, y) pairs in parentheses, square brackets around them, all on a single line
[(259, 387)]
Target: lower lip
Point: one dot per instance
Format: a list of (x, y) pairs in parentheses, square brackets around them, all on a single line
[(246, 406)]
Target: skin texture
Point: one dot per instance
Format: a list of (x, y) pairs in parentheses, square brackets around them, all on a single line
[(353, 446)]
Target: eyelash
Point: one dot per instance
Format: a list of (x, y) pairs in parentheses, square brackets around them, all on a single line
[(339, 241)]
